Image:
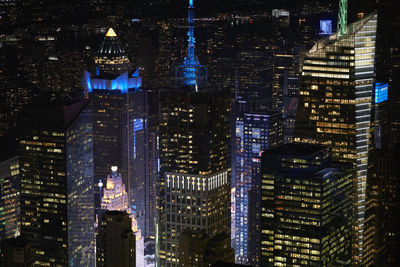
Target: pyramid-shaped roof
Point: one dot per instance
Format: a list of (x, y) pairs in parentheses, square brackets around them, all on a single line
[(111, 45)]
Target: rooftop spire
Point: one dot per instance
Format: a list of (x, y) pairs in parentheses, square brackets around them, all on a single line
[(342, 18), (191, 60), (192, 73), (191, 39)]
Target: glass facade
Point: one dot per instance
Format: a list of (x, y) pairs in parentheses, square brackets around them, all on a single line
[(56, 184), (120, 135), (306, 207), (335, 102), (255, 133), (80, 194), (193, 143)]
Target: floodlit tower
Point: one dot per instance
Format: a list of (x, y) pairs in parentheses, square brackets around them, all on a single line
[(191, 73), (342, 17), (335, 103)]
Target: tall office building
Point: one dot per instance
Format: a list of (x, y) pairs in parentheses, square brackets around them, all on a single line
[(119, 107), (335, 102), (195, 156), (255, 133), (194, 167), (115, 245), (56, 170), (9, 198), (306, 207)]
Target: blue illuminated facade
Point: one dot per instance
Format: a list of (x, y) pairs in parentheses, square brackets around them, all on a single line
[(381, 92), (255, 132), (381, 116), (191, 72), (123, 82)]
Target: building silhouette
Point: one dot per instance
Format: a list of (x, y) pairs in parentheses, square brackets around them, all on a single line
[(115, 245), (306, 207)]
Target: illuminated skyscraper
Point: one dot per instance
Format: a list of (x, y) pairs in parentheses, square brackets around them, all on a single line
[(56, 169), (9, 198), (194, 187), (255, 133), (119, 107), (306, 207), (335, 102), (115, 197)]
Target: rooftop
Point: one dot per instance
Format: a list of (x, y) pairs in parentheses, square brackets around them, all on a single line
[(297, 149)]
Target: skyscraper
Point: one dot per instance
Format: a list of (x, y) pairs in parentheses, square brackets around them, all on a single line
[(115, 243), (9, 198), (194, 167), (255, 133), (306, 207), (194, 138), (56, 168), (335, 102), (115, 197), (119, 107)]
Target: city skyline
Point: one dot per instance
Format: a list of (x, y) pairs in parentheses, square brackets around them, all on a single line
[(195, 133)]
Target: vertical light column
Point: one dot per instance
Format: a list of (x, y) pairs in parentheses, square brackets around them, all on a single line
[(364, 53)]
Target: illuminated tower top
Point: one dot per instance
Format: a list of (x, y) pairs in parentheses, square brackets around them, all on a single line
[(191, 72), (342, 18), (191, 58), (113, 69), (115, 196), (111, 57)]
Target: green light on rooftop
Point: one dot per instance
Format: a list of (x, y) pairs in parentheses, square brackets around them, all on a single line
[(342, 18)]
